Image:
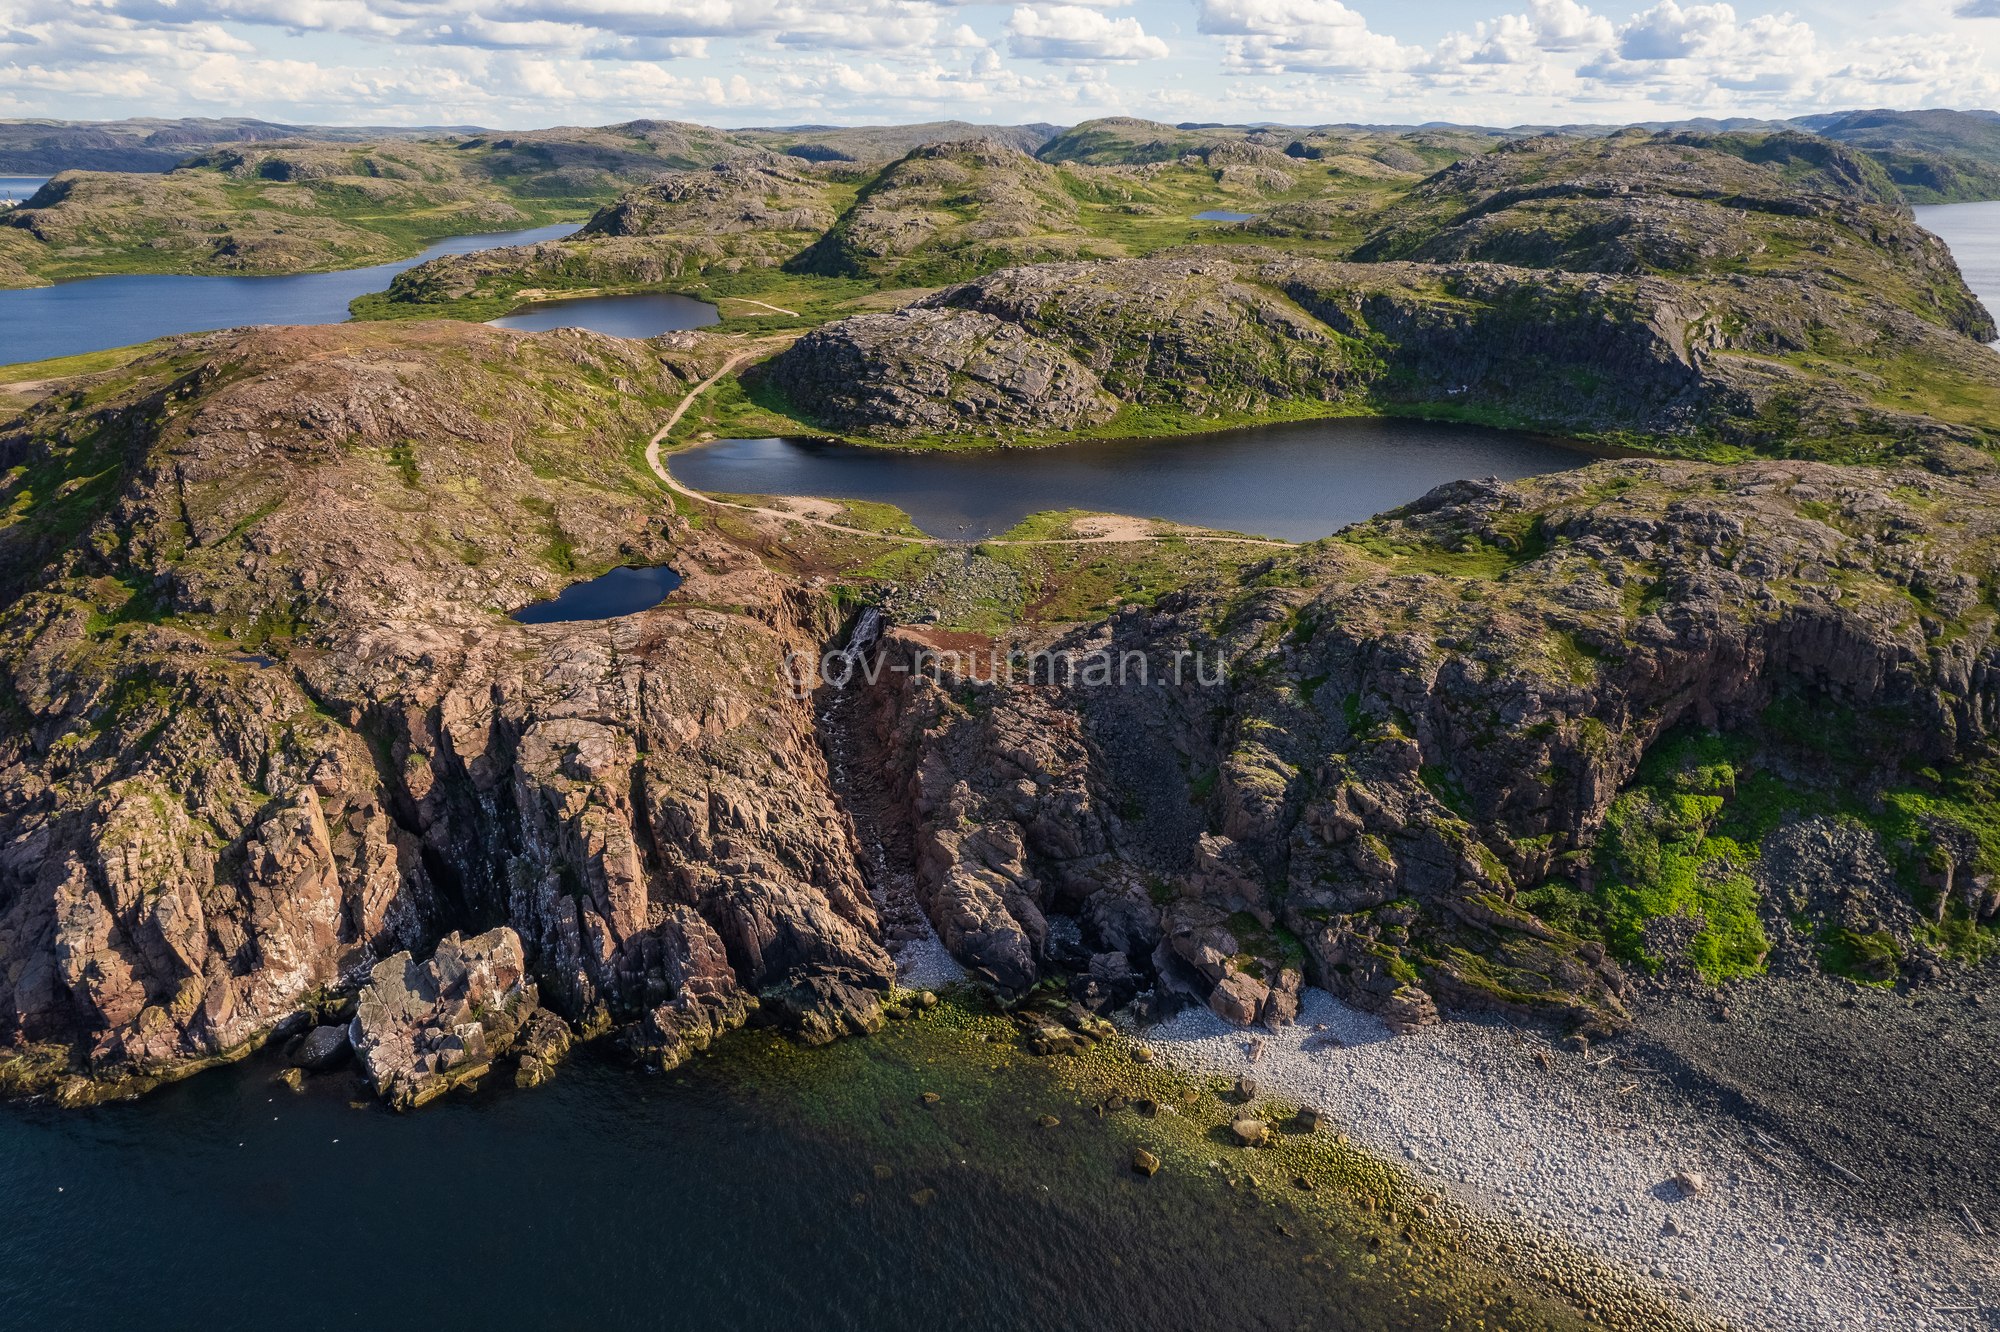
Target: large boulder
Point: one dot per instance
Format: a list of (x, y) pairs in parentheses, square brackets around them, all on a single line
[(419, 1029)]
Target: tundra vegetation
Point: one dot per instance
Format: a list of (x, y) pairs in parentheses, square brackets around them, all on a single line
[(269, 734)]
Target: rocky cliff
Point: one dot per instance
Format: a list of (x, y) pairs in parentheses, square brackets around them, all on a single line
[(267, 725), (1483, 751)]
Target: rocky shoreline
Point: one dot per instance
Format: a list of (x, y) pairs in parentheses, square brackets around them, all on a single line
[(1594, 1148)]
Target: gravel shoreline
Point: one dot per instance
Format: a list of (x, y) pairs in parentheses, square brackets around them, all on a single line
[(1585, 1147)]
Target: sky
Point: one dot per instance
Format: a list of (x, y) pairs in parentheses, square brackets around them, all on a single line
[(520, 64)]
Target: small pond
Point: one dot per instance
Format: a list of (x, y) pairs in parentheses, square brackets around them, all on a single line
[(1217, 215), (620, 316), (626, 590), (71, 317), (1300, 480)]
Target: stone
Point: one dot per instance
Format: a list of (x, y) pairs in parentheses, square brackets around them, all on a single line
[(1245, 1090), (896, 1013), (1116, 1102), (1144, 1162), (1409, 1010), (1308, 1119), (1141, 1055), (294, 1078), (930, 1098), (1147, 1107), (1690, 1182), (1250, 1132), (1047, 1121), (407, 1029), (322, 1048), (924, 1197), (927, 999)]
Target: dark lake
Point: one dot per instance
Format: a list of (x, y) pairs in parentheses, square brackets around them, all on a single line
[(620, 316), (1299, 480), (766, 1187), (71, 317), (623, 591)]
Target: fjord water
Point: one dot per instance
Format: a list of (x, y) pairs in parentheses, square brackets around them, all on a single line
[(38, 323), (768, 1187), (1972, 230), (1299, 480)]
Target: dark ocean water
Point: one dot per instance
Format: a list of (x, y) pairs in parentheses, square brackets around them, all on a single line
[(769, 1187), (1299, 480), (623, 591), (71, 317)]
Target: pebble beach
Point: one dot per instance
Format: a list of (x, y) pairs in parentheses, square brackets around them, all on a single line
[(1589, 1148)]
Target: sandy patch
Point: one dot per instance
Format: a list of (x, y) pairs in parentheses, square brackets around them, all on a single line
[(1112, 527), (808, 507)]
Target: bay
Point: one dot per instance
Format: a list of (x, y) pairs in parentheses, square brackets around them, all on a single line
[(763, 1187), (38, 323), (1972, 230)]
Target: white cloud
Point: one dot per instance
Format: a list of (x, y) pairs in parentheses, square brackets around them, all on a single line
[(1310, 36), (1073, 35), (537, 62)]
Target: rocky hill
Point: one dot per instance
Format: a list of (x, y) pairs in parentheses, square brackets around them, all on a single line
[(272, 755), (948, 211), (283, 207), (1763, 363), (1491, 749), (756, 210), (200, 836)]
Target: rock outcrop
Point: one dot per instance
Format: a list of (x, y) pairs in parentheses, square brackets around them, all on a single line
[(268, 727), (925, 372), (1233, 331), (1401, 731), (756, 210), (948, 211)]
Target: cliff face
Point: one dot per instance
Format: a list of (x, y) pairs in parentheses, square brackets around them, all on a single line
[(194, 833), (1403, 755)]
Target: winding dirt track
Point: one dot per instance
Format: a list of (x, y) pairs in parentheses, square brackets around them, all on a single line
[(667, 479)]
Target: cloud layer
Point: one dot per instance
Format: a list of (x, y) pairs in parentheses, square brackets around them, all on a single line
[(532, 62)]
